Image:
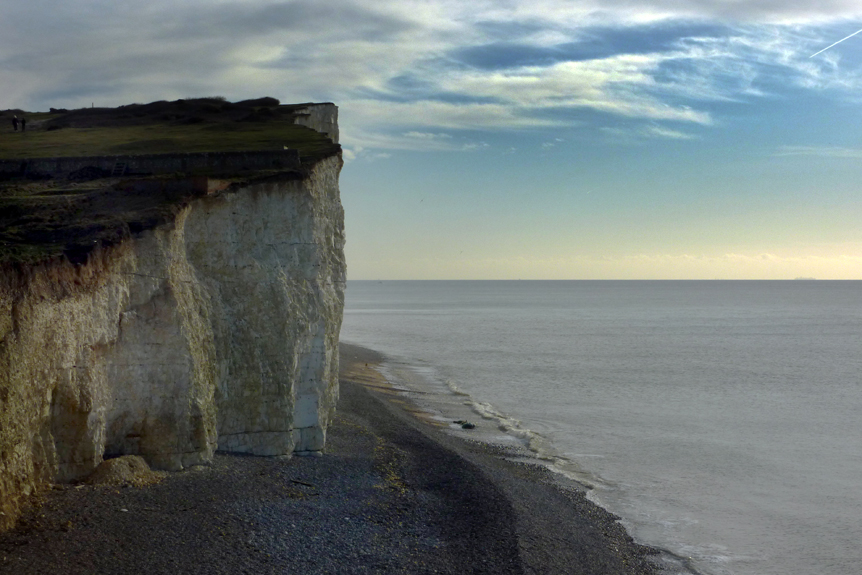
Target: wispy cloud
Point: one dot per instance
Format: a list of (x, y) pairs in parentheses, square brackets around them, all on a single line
[(618, 85), (428, 136), (639, 133), (820, 152), (474, 146), (663, 132), (401, 68)]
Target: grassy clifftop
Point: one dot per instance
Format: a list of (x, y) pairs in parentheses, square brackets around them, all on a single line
[(201, 125), (45, 219)]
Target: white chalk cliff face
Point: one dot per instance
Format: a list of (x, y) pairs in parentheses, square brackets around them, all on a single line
[(217, 330)]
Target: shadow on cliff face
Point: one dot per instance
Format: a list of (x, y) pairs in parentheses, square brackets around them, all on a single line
[(72, 221)]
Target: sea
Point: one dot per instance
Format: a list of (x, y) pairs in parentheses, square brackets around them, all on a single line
[(720, 420)]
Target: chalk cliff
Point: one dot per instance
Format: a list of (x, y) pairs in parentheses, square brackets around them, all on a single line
[(217, 328)]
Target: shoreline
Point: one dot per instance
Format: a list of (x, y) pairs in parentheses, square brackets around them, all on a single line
[(497, 435), (393, 493), (554, 516)]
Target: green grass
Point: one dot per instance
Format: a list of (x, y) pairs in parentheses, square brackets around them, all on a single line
[(164, 138)]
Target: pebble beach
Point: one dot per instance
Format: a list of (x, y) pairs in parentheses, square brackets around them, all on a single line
[(392, 493)]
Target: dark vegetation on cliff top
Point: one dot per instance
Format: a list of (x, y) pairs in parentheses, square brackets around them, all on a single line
[(48, 219), (201, 125)]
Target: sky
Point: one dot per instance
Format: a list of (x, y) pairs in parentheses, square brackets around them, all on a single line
[(517, 139)]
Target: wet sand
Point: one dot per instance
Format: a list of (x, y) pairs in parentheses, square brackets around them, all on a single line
[(393, 493)]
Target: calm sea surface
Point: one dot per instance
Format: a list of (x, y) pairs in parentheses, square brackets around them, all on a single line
[(722, 420)]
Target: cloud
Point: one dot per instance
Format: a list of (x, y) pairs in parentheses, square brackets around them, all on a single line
[(363, 113), (638, 11), (638, 133), (617, 85), (352, 154), (428, 136), (473, 146), (399, 68), (348, 154), (551, 144), (820, 152), (662, 132)]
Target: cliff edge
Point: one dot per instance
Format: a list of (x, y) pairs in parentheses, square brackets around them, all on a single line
[(174, 304)]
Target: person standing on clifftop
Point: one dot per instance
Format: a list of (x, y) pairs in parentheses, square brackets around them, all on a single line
[(15, 123), (23, 123)]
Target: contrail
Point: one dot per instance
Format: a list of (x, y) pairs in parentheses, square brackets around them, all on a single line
[(838, 42)]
